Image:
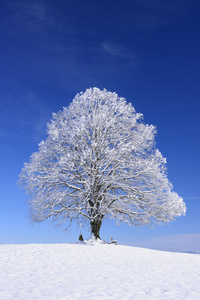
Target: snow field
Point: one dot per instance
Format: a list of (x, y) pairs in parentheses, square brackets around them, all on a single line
[(101, 271)]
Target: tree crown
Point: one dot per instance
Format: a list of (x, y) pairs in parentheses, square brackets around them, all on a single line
[(99, 160)]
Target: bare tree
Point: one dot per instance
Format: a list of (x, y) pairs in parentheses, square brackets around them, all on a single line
[(99, 160)]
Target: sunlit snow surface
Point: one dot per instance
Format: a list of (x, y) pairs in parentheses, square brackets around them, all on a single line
[(100, 271)]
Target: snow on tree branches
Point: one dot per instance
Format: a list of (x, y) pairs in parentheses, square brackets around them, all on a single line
[(99, 160)]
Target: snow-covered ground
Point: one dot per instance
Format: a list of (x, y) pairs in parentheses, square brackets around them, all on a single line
[(101, 271)]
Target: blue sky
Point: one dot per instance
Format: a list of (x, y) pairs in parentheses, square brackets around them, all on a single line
[(146, 51)]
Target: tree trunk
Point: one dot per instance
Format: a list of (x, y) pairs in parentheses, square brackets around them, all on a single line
[(95, 228)]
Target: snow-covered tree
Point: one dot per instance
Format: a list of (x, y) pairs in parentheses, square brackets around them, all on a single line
[(99, 160)]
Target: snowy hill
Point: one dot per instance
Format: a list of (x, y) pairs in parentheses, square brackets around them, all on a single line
[(101, 271)]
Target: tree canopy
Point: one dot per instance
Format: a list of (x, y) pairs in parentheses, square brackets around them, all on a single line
[(99, 160)]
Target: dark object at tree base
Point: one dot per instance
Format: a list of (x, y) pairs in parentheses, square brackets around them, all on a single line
[(113, 241), (80, 238)]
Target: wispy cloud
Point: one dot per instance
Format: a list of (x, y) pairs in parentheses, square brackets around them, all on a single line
[(175, 242), (33, 9), (118, 51), (35, 19), (113, 49), (45, 41), (192, 198), (158, 13), (28, 114), (30, 12)]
